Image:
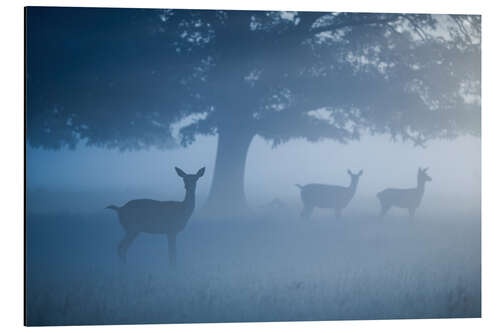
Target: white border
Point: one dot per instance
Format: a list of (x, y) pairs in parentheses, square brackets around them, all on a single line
[(11, 231)]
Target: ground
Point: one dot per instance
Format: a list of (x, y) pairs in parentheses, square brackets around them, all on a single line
[(270, 266)]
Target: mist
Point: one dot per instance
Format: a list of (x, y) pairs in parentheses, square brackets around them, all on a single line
[(223, 166), (270, 264), (78, 177)]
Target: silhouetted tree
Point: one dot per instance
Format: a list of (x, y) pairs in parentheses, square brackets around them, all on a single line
[(121, 78)]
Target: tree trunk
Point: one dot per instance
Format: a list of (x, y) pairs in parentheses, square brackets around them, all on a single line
[(227, 193)]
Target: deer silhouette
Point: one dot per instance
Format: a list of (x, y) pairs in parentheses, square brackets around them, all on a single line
[(328, 196), (157, 217), (409, 198)]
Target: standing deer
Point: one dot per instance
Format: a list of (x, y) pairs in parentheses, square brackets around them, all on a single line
[(328, 196), (157, 217), (409, 198)]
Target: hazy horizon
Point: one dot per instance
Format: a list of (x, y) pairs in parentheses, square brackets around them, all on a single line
[(453, 164)]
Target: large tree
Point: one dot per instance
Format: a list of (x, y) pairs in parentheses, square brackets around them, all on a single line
[(120, 78)]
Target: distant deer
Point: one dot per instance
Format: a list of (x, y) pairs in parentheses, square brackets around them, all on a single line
[(409, 198), (328, 196), (157, 217)]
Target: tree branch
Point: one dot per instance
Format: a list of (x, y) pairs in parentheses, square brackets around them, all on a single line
[(348, 23)]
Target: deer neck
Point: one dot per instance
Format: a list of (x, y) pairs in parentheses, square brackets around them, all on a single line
[(420, 187), (352, 187), (189, 200)]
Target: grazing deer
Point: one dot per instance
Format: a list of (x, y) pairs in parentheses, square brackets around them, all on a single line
[(157, 217), (409, 198), (328, 196)]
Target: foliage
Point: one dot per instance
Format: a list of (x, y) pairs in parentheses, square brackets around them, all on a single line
[(129, 79)]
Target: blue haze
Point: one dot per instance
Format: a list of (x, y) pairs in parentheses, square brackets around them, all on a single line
[(111, 77), (272, 266)]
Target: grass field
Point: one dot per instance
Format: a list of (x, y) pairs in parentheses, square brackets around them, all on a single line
[(271, 266)]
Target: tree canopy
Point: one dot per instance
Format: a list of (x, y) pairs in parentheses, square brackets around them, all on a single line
[(121, 77)]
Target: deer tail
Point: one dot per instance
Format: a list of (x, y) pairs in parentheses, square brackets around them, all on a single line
[(299, 186), (113, 207)]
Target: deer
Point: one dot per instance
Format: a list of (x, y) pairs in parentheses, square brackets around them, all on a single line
[(328, 196), (409, 198), (157, 217)]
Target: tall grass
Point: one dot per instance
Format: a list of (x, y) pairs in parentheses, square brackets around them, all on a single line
[(268, 267)]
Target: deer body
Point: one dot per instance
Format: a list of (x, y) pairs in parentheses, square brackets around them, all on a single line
[(403, 198), (157, 217), (409, 198), (328, 196)]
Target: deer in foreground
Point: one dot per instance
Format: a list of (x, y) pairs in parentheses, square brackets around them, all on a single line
[(157, 217), (328, 196), (409, 198)]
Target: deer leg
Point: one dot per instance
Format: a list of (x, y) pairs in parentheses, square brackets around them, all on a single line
[(306, 212), (384, 210), (172, 249), (125, 244)]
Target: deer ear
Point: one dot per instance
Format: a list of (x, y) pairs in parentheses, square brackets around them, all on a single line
[(425, 170), (180, 172), (349, 172), (201, 172), (360, 172)]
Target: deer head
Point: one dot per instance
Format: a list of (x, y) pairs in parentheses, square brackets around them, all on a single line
[(190, 179), (354, 177), (422, 176)]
